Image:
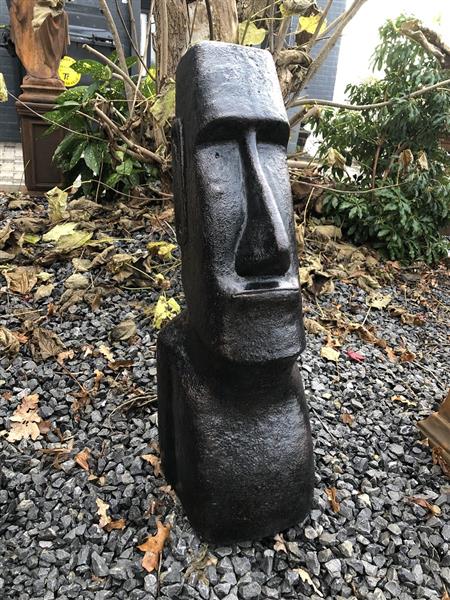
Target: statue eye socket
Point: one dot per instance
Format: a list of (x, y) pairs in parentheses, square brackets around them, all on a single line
[(273, 133)]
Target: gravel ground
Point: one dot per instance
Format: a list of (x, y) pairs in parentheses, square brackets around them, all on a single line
[(376, 544)]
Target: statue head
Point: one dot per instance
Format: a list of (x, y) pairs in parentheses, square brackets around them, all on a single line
[(233, 204)]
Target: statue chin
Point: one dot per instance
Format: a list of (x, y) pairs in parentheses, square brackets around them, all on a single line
[(253, 329)]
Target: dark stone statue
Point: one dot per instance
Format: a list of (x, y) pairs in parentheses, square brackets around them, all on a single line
[(234, 430)]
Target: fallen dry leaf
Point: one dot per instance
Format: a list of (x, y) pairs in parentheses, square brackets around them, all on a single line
[(438, 459), (306, 578), (445, 595), (356, 356), (332, 499), (280, 543), (155, 461), (432, 508), (77, 281), (347, 418), (106, 351), (9, 341), (313, 326), (379, 301), (102, 511), (116, 365), (329, 353), (44, 344), (124, 331), (43, 291), (24, 421), (153, 547), (65, 355), (402, 399), (21, 280), (82, 459), (105, 521), (57, 204)]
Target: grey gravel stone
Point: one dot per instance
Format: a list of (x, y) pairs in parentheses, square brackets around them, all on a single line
[(99, 566)]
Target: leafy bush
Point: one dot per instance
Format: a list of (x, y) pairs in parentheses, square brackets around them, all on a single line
[(388, 160), (92, 149)]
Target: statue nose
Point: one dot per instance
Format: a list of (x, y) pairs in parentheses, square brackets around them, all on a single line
[(263, 248)]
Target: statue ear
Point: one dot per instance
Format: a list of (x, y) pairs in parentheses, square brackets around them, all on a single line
[(179, 191)]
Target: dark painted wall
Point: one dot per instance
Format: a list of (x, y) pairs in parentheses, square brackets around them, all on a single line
[(82, 13)]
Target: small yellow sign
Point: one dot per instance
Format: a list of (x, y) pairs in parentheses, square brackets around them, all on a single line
[(67, 75)]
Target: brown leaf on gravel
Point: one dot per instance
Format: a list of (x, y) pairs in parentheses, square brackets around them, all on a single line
[(313, 326), (280, 543), (347, 418), (123, 331), (116, 365), (332, 499), (154, 546), (155, 461), (82, 459), (63, 356), (44, 344), (438, 459), (105, 521), (21, 280), (25, 421), (43, 291), (106, 351), (445, 595), (432, 508), (9, 341)]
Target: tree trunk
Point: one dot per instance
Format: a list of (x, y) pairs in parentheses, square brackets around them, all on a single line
[(171, 37), (178, 25)]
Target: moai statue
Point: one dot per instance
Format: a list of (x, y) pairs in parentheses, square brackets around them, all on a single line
[(234, 430)]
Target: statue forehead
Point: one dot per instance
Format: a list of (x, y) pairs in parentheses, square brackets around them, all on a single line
[(219, 81)]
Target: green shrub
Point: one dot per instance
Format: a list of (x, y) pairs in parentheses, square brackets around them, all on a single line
[(388, 161)]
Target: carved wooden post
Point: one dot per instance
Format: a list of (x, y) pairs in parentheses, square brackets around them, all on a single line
[(39, 31), (234, 430)]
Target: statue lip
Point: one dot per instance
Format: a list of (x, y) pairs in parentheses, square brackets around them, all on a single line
[(268, 292)]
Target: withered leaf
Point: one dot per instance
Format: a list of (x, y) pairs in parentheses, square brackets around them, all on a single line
[(347, 418), (116, 365), (155, 461), (313, 326), (439, 459), (25, 420), (280, 543), (82, 459), (21, 280), (329, 353), (124, 330), (44, 344), (9, 341), (63, 356), (153, 547), (332, 499), (432, 508), (105, 521), (306, 578), (106, 351), (77, 281), (43, 291)]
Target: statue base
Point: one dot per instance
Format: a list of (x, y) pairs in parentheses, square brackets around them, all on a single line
[(37, 99), (235, 439)]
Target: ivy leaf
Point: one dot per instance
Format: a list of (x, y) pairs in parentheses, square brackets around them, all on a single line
[(163, 109), (309, 24), (250, 35), (165, 310), (93, 156)]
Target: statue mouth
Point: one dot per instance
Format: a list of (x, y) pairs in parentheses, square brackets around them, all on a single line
[(268, 292)]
